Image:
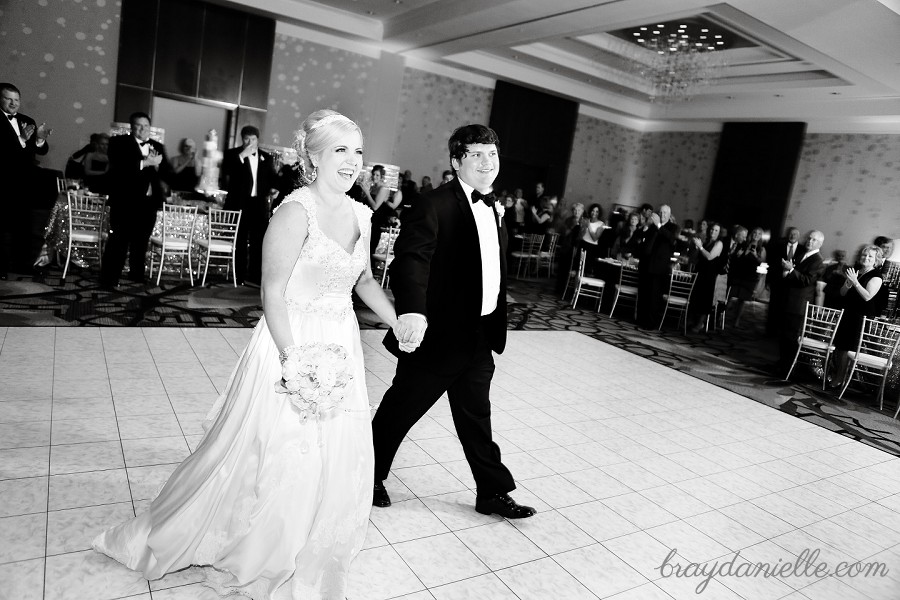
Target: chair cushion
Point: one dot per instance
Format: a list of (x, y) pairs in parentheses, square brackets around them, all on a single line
[(628, 289), (816, 344), (875, 362), (676, 300), (85, 236), (593, 282), (215, 245), (171, 244)]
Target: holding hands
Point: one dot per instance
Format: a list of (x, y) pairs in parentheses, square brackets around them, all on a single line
[(409, 331)]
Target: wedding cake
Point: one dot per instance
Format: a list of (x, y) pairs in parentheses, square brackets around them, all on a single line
[(209, 162)]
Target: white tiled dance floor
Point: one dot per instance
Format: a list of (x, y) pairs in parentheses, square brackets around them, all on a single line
[(624, 459)]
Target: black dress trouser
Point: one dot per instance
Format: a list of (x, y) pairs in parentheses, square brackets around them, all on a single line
[(414, 391), (130, 229)]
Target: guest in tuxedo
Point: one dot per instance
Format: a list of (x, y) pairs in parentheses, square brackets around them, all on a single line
[(137, 169), (22, 141), (248, 175), (785, 248), (449, 283), (798, 282), (655, 266)]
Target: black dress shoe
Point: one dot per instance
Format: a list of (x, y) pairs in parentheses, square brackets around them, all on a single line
[(503, 505), (380, 496)]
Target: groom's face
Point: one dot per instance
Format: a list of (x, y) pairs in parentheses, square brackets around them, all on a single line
[(479, 166)]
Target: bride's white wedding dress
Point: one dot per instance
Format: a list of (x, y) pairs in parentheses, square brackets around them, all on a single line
[(272, 507)]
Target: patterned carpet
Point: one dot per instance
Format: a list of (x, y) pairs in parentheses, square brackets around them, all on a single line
[(735, 359)]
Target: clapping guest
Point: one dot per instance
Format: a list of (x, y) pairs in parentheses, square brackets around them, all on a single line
[(96, 164), (591, 230), (137, 168), (626, 243), (20, 142), (865, 295), (185, 167), (708, 268), (834, 279), (742, 272), (569, 233), (386, 204)]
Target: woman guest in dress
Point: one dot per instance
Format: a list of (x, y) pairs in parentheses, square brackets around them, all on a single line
[(627, 241), (591, 230), (742, 275), (708, 269), (865, 295), (185, 168), (386, 204), (276, 497)]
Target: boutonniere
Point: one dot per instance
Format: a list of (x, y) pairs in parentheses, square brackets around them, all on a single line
[(499, 209)]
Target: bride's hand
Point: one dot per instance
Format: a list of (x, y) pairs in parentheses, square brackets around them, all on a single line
[(409, 331)]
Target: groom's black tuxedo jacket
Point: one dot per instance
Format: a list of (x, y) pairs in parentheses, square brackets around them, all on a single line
[(437, 272)]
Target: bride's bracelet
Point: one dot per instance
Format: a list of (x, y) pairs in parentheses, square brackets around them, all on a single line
[(288, 352)]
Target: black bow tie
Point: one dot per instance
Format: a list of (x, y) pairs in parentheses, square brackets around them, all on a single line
[(10, 117), (486, 198), (144, 143)]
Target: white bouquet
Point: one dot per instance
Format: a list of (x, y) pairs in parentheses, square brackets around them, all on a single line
[(315, 376)]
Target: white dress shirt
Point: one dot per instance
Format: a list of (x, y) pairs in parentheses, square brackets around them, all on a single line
[(489, 241), (253, 160)]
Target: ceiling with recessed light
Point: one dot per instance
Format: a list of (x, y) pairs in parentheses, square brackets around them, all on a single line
[(812, 60)]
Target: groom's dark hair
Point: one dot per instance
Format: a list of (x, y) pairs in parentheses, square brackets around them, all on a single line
[(470, 134)]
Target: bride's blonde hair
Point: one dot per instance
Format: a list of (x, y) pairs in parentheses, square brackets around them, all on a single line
[(319, 130)]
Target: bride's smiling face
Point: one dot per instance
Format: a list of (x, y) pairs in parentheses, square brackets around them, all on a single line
[(340, 163)]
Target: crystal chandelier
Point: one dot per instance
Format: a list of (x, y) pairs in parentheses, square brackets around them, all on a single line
[(681, 59)]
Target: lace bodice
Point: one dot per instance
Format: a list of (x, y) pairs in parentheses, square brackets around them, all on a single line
[(324, 275)]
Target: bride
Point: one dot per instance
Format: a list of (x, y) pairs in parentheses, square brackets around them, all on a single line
[(276, 497)]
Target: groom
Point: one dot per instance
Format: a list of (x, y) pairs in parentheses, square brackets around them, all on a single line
[(449, 282)]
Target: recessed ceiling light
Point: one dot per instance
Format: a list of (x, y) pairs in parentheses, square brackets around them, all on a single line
[(643, 29), (636, 34), (655, 33), (660, 26), (705, 30)]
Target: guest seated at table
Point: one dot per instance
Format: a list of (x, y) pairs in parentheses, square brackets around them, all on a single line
[(185, 167), (708, 269), (864, 296), (626, 243), (742, 270)]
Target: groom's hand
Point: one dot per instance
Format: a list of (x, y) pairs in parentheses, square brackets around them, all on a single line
[(409, 331)]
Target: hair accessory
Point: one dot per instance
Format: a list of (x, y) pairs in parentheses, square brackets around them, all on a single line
[(329, 119)]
